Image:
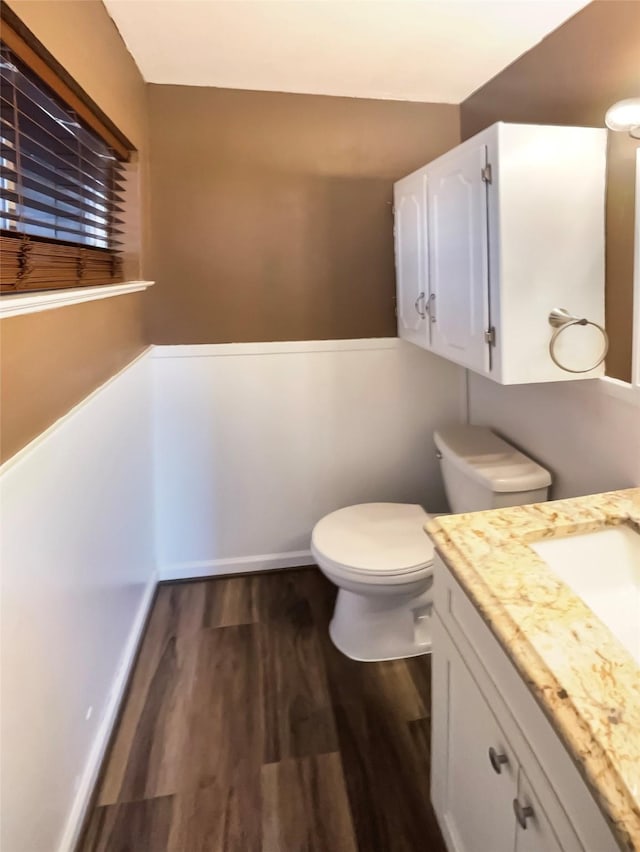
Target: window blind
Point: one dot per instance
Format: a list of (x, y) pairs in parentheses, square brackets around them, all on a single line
[(61, 189)]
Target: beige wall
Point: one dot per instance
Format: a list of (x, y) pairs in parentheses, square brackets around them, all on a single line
[(50, 361), (53, 359), (271, 212), (572, 77)]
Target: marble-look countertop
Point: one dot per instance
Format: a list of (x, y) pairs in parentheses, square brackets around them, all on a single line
[(584, 679)]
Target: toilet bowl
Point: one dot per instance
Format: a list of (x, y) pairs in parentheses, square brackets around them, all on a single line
[(380, 558)]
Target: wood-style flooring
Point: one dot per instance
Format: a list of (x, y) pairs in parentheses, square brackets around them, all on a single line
[(245, 730)]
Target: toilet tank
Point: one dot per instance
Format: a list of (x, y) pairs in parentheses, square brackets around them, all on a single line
[(482, 471)]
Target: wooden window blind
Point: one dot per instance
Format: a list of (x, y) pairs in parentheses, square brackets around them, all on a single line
[(61, 188)]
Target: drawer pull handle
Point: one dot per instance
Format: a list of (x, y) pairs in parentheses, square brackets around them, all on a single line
[(522, 812), (497, 760)]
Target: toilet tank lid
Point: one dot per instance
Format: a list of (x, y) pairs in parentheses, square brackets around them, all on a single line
[(480, 454)]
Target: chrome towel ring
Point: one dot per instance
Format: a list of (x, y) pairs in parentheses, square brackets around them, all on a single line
[(560, 319)]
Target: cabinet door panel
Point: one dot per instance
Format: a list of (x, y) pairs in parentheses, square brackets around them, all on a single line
[(410, 225), (538, 834), (548, 828), (472, 800), (458, 258)]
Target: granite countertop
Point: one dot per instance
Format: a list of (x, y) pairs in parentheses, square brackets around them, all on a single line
[(585, 680)]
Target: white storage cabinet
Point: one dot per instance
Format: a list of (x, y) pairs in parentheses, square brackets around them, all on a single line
[(501, 780), (495, 234)]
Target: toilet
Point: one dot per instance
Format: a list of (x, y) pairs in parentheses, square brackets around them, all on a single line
[(380, 558)]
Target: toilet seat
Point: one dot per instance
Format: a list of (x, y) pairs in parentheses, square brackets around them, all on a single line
[(374, 543)]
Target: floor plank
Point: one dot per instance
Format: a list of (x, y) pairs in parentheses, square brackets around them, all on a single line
[(230, 601), (217, 818), (419, 669), (149, 763), (386, 782), (420, 733), (298, 717), (245, 730), (131, 827), (306, 807), (159, 681), (224, 721)]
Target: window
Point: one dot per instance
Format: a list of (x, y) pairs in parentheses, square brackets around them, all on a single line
[(61, 183)]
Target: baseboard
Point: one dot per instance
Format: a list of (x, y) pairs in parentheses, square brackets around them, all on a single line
[(89, 777), (238, 565)]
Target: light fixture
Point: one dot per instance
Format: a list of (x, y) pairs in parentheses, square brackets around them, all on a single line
[(625, 115)]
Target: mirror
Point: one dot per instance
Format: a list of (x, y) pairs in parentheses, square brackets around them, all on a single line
[(635, 355), (621, 245)]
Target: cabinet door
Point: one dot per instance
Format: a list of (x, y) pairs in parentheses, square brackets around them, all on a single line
[(533, 828), (541, 822), (410, 231), (472, 798), (458, 257)]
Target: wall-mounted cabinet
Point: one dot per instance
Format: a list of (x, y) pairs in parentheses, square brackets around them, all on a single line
[(495, 234)]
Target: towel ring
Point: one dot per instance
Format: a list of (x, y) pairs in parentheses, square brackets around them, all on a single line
[(560, 319)]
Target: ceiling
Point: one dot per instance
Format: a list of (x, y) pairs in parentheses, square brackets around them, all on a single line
[(414, 50)]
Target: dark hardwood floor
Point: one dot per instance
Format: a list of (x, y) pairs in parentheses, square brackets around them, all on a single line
[(245, 730)]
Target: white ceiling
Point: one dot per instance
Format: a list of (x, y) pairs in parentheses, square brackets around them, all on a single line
[(415, 50)]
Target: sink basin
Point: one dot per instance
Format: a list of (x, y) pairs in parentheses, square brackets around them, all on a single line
[(603, 568)]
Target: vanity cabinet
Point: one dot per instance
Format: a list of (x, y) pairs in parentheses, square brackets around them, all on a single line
[(501, 780), (495, 234)]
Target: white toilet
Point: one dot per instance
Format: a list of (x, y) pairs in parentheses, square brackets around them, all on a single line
[(381, 559)]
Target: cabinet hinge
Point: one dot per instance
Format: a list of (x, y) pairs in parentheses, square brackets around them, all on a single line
[(490, 336), (486, 173), (430, 307)]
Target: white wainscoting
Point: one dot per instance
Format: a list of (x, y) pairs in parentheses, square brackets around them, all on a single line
[(255, 442), (78, 575), (587, 438)]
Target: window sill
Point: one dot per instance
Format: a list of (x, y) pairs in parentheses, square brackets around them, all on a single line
[(15, 304)]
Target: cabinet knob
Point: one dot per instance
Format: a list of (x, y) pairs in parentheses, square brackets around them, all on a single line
[(497, 760), (522, 812)]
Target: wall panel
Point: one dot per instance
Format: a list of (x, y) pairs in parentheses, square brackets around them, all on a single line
[(255, 443), (78, 571)]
